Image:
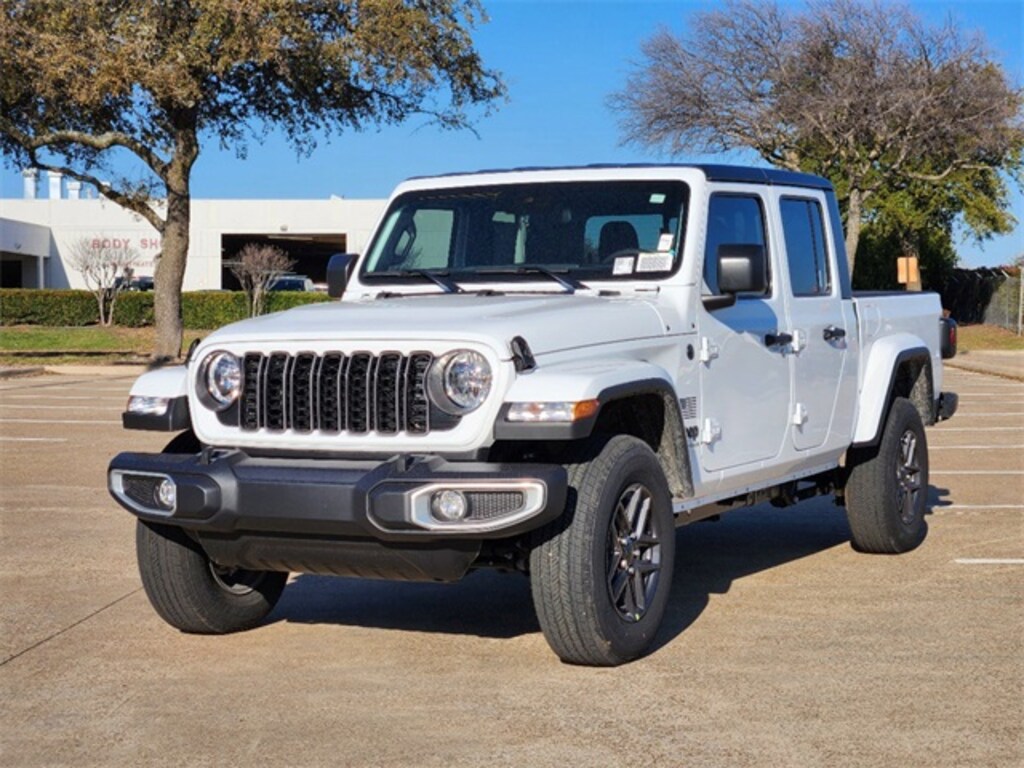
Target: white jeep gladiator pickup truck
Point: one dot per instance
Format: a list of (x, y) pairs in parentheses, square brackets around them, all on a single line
[(545, 371)]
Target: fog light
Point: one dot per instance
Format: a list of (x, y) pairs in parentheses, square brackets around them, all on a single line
[(167, 494), (449, 506)]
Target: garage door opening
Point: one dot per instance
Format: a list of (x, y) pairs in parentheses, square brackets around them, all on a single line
[(310, 253)]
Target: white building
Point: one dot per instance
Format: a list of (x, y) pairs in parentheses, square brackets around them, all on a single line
[(37, 234)]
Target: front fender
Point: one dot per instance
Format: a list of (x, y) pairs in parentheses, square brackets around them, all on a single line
[(884, 359), (146, 401), (604, 381)]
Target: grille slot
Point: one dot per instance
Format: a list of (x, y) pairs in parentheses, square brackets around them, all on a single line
[(335, 393)]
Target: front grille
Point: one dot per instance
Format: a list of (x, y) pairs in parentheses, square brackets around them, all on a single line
[(333, 392)]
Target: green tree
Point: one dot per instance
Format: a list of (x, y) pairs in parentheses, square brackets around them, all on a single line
[(84, 85), (909, 122)]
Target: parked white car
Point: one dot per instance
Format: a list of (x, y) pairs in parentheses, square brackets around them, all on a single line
[(544, 371)]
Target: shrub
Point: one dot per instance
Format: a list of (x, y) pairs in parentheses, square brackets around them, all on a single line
[(35, 306), (278, 301), (134, 309), (212, 309)]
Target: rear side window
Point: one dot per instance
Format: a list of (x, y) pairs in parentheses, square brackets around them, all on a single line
[(732, 220), (806, 253)]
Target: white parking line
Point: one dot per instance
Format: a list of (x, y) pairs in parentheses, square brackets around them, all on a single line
[(4, 438), (60, 421), (979, 506), (943, 428), (989, 561), (47, 396), (47, 407), (978, 472), (933, 447)]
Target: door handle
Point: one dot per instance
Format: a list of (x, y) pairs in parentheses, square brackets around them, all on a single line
[(777, 339), (831, 333)]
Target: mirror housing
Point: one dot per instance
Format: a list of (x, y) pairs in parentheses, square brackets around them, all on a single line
[(339, 270), (742, 269)]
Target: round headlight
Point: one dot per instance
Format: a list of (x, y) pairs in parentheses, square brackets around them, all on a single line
[(460, 382), (223, 378)]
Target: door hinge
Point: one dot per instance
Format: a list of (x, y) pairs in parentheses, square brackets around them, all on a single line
[(708, 350), (711, 432), (799, 341), (799, 414)]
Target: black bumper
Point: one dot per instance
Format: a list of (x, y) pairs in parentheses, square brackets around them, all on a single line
[(232, 491), (356, 518), (946, 406)]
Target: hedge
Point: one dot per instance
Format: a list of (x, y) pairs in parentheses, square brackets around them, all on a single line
[(201, 310), (134, 309), (34, 306)]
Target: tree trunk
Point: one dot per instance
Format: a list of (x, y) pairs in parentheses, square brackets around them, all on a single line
[(170, 273), (853, 213), (170, 270)]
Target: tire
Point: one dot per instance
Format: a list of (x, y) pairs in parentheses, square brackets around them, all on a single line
[(599, 588), (187, 589), (887, 487), (192, 593)]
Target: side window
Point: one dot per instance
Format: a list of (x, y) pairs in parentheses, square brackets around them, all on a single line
[(806, 253), (732, 220)]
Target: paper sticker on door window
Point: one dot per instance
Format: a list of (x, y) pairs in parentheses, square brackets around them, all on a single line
[(654, 262), (665, 242), (623, 266)]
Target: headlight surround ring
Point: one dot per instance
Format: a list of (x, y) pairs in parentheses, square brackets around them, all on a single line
[(460, 381), (220, 379)]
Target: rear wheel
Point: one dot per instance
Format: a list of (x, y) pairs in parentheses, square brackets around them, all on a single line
[(600, 575), (887, 488)]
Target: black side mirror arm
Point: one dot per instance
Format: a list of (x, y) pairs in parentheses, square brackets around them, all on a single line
[(718, 301)]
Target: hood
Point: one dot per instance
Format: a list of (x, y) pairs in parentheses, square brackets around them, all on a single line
[(548, 322)]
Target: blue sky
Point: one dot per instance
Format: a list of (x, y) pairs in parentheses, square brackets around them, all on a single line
[(560, 60)]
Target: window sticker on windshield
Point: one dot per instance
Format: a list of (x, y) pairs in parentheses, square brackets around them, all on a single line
[(657, 198), (665, 242), (654, 262), (623, 266)]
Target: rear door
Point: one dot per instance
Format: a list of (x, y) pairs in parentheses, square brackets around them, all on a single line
[(820, 327)]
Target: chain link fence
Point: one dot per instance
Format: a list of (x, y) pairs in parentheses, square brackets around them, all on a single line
[(990, 296)]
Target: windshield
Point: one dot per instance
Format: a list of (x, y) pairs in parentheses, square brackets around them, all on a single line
[(587, 230)]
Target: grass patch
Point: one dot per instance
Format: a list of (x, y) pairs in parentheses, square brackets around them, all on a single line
[(92, 344), (972, 338)]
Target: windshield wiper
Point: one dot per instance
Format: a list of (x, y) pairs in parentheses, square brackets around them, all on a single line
[(439, 279), (570, 284)]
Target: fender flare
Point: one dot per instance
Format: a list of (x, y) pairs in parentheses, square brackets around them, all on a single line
[(876, 394), (633, 379)]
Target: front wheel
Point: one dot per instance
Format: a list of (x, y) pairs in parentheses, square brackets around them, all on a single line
[(194, 594), (886, 493), (600, 574)]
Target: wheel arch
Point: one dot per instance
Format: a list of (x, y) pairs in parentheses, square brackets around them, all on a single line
[(897, 367), (635, 400)]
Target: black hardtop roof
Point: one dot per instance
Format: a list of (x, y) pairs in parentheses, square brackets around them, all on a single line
[(739, 173)]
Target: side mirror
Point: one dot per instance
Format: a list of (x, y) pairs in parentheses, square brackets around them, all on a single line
[(742, 269), (339, 270)]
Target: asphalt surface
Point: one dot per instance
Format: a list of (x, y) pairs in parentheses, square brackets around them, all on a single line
[(782, 646)]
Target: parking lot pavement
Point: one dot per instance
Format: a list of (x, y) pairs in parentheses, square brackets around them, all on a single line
[(782, 646)]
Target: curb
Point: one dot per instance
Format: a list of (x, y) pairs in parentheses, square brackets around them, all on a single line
[(984, 371), (17, 373)]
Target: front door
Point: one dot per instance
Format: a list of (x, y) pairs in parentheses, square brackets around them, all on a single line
[(745, 383)]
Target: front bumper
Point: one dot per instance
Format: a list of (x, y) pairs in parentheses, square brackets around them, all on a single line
[(228, 491), (348, 518)]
